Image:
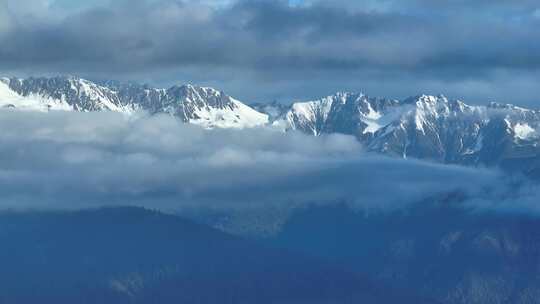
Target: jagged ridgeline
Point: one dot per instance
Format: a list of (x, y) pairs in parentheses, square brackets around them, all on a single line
[(199, 105), (424, 127), (428, 127)]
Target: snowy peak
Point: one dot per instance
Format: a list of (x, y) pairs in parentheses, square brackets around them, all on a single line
[(62, 93), (211, 108), (425, 127), (198, 105), (454, 132), (349, 113), (311, 116)]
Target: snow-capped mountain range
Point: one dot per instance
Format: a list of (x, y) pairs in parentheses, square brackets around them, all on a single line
[(425, 127), (428, 127), (198, 105)]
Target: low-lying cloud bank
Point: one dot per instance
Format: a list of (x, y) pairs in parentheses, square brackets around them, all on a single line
[(80, 160)]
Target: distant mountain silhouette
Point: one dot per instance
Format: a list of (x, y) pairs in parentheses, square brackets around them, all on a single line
[(130, 255), (438, 251)]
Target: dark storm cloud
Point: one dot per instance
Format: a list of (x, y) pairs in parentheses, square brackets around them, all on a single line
[(472, 49), (146, 36)]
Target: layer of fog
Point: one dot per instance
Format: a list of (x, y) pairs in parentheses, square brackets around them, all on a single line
[(82, 160)]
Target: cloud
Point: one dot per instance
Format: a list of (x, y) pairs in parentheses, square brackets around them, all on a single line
[(5, 21), (519, 197), (270, 49), (442, 7), (79, 160)]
